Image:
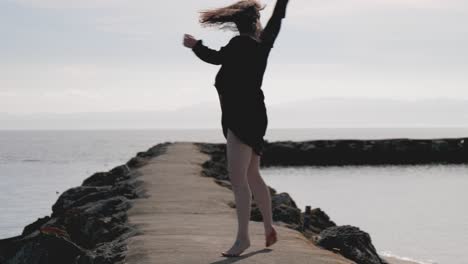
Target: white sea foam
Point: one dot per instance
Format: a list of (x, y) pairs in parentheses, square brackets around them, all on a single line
[(395, 256)]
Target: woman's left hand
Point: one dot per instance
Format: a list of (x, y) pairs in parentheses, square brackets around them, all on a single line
[(189, 41)]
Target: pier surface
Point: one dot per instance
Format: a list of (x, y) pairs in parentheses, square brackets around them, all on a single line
[(186, 219)]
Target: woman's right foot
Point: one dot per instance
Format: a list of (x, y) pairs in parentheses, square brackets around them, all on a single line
[(236, 249), (271, 237)]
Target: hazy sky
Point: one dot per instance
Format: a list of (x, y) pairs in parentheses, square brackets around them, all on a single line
[(126, 55)]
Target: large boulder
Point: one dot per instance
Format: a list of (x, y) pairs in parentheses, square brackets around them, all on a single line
[(117, 174), (351, 242), (284, 209), (79, 196), (98, 222)]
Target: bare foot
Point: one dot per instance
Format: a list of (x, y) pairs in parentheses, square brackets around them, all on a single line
[(271, 237), (237, 249)]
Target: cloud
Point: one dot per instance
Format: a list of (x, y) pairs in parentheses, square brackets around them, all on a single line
[(310, 14), (128, 54)]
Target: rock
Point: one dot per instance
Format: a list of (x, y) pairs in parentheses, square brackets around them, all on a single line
[(117, 174), (156, 150), (231, 204), (136, 162), (365, 152), (99, 179), (272, 191), (283, 199), (41, 248), (255, 214), (97, 223), (319, 221), (216, 167), (79, 196), (346, 152), (284, 209), (351, 242), (287, 214), (35, 226), (226, 184)]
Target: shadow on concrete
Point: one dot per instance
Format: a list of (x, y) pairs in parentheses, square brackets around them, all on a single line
[(241, 257)]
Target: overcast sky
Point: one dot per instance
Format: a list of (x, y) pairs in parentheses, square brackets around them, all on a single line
[(63, 56)]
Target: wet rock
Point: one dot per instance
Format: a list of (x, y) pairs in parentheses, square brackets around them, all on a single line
[(351, 242)]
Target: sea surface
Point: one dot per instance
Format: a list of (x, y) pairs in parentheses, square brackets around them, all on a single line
[(417, 212), (411, 211)]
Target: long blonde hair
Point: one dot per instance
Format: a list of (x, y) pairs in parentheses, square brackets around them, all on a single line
[(243, 16)]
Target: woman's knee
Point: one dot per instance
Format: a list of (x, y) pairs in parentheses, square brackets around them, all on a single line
[(237, 167), (254, 177), (254, 164), (239, 156), (237, 171)]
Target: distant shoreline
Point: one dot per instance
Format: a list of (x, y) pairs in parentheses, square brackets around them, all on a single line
[(400, 151)]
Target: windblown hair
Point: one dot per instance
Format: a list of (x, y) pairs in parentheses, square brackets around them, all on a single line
[(243, 16)]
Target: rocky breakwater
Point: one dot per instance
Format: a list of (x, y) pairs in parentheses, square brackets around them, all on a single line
[(349, 241), (88, 224), (366, 152)]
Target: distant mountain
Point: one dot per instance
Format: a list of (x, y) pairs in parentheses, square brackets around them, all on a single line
[(325, 112)]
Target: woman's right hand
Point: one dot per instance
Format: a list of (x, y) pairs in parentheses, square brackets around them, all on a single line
[(189, 41)]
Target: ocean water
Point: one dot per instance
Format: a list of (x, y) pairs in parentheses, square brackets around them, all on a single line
[(425, 202), (416, 212)]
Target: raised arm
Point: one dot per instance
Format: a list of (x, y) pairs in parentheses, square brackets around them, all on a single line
[(209, 55), (273, 26)]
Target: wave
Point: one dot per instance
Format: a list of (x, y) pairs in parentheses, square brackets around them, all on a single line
[(31, 160), (392, 255), (46, 161)]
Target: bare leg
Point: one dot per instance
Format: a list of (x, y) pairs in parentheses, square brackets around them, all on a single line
[(260, 192), (238, 157)]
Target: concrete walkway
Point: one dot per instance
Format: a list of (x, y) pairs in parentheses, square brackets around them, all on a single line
[(186, 219)]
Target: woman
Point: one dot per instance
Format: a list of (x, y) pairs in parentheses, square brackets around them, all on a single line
[(244, 117)]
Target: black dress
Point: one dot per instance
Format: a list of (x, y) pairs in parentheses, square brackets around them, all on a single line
[(239, 80)]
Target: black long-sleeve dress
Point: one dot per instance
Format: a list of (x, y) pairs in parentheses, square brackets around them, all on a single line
[(239, 80)]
